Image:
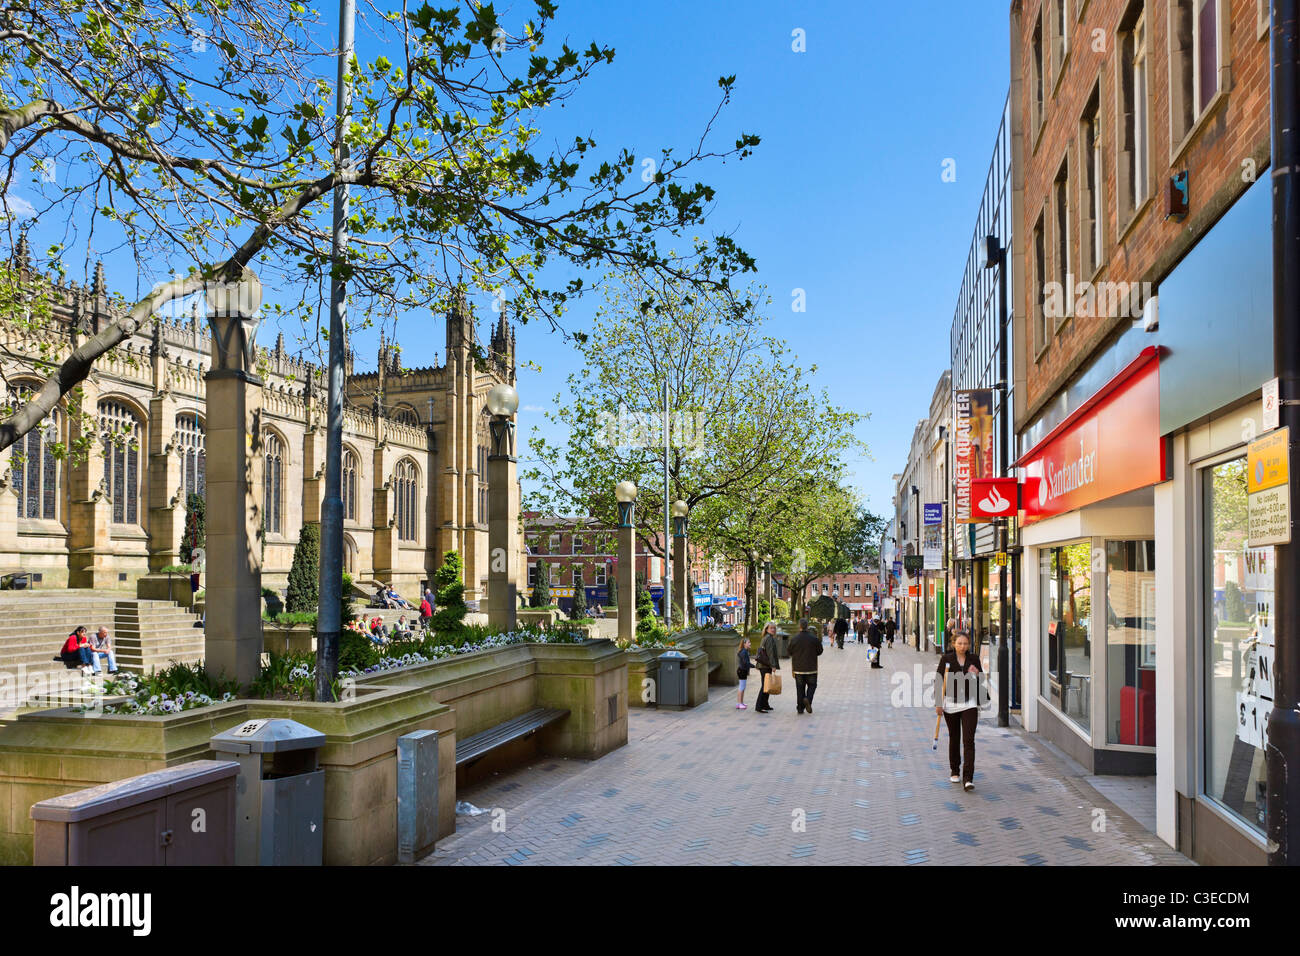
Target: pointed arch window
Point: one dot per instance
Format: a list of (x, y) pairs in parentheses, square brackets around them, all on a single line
[(273, 482), (406, 416), (35, 469), (121, 433), (350, 468), (406, 485), (191, 439)]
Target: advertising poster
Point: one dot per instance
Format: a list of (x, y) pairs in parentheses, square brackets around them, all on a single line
[(973, 430)]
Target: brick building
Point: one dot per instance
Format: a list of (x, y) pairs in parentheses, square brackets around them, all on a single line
[(414, 453), (1142, 296)]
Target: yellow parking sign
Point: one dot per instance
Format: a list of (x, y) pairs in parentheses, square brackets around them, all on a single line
[(1268, 460)]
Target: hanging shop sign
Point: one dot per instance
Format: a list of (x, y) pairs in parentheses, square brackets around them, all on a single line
[(933, 513), (1110, 445), (913, 563), (973, 431), (932, 549), (994, 498), (1268, 489)]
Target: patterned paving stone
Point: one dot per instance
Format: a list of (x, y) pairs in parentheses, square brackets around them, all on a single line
[(730, 781)]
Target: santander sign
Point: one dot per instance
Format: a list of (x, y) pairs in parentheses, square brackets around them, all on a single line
[(1112, 445), (994, 498)]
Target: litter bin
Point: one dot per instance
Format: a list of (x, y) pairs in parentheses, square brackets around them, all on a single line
[(783, 643), (280, 793), (672, 679)]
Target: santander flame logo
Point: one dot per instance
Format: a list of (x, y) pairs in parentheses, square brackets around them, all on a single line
[(993, 503)]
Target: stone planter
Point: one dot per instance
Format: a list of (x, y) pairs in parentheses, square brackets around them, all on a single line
[(721, 647), (537, 617), (285, 639), (165, 586), (642, 667), (49, 753)]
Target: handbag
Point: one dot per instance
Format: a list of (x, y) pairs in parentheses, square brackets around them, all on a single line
[(772, 683)]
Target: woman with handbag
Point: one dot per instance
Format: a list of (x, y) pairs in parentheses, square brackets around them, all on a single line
[(959, 674), (768, 663)]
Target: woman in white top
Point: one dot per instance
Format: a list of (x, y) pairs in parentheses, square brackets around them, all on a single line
[(960, 707)]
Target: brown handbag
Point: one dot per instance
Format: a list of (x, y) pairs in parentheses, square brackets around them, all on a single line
[(772, 683)]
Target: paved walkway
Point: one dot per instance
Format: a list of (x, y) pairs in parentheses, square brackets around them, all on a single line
[(854, 783)]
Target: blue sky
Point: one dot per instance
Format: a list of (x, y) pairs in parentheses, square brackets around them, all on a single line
[(844, 198)]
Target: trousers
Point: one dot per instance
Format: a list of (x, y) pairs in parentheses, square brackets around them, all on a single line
[(763, 702), (805, 685), (961, 742)]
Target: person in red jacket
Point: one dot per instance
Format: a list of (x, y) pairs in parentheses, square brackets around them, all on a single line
[(426, 610), (76, 650)]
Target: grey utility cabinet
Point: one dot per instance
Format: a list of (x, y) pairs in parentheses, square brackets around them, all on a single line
[(280, 793), (672, 679), (179, 816), (417, 794)]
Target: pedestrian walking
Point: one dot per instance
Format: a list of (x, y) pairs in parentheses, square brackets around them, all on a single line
[(890, 629), (860, 629), (959, 671), (742, 671), (804, 651), (841, 628), (768, 662), (875, 637)]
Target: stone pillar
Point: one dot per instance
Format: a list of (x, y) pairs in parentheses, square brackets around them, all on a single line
[(503, 513), (90, 539), (626, 573), (10, 553), (166, 498), (233, 635), (384, 552), (313, 472)]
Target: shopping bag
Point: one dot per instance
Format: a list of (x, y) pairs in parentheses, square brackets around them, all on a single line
[(772, 683)]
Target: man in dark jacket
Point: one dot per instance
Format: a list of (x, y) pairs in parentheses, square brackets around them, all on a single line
[(841, 628), (804, 648), (890, 629), (875, 637)]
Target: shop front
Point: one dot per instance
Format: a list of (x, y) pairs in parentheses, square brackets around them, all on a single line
[(1089, 579)]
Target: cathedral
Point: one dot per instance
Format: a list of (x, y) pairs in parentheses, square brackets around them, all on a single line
[(415, 447)]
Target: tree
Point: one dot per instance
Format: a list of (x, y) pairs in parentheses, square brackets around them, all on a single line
[(744, 420), (823, 608), (579, 609), (648, 628), (612, 577), (304, 574), (542, 589), (194, 536), (200, 138), (1234, 608), (449, 585)]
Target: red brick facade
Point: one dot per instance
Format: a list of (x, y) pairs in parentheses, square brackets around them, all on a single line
[(1224, 150)]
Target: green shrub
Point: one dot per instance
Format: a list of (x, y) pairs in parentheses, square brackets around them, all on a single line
[(542, 589), (449, 591), (356, 650), (613, 588), (648, 628), (579, 608), (304, 575), (780, 609)]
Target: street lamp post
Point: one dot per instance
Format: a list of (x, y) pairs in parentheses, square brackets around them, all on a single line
[(503, 553), (767, 571), (682, 584), (996, 257), (625, 492), (751, 612)]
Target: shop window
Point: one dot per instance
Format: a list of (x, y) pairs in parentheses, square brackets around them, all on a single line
[(1066, 594), (1238, 641), (1131, 642)]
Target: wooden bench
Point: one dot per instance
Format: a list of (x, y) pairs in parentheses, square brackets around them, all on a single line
[(481, 744)]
